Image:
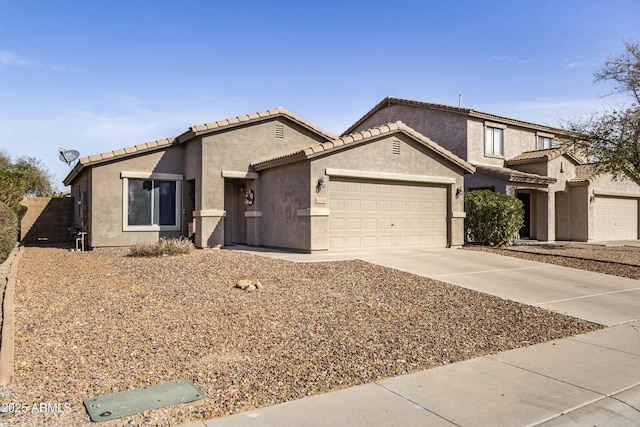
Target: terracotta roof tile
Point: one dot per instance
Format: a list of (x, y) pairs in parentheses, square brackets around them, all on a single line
[(371, 134), (390, 100), (513, 175), (191, 132), (585, 174), (544, 155)]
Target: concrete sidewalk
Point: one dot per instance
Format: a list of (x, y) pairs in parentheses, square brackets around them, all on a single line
[(590, 379)]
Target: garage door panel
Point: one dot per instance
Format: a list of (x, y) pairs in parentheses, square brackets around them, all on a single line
[(378, 214), (336, 224), (369, 224), (616, 218), (385, 206), (369, 205)]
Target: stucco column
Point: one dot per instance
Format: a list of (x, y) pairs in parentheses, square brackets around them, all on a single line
[(318, 227), (546, 230), (209, 231)]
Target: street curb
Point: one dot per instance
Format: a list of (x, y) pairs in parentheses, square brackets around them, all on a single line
[(8, 322)]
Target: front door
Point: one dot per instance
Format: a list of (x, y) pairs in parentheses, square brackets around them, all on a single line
[(525, 198), (235, 224)]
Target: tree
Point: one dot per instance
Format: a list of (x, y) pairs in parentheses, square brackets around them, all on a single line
[(31, 170), (611, 140)]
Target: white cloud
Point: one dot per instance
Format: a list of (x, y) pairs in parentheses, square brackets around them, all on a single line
[(10, 60)]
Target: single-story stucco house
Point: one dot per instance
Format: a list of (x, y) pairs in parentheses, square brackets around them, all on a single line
[(273, 179), (562, 196)]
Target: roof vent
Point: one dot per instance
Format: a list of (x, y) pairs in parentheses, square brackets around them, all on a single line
[(395, 147), (279, 131)]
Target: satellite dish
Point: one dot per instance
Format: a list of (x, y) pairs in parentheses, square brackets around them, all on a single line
[(68, 156)]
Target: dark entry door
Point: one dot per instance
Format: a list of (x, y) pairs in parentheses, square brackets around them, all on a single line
[(235, 224), (525, 198)]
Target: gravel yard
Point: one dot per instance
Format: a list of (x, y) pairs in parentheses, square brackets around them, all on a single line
[(623, 261), (100, 322)]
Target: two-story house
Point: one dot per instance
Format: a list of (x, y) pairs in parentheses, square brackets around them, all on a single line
[(563, 199)]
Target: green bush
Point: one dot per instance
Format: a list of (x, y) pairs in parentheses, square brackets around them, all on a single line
[(13, 186), (8, 231), (162, 247), (492, 219)]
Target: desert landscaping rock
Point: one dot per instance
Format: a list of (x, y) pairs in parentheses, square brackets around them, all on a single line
[(623, 261), (99, 322)]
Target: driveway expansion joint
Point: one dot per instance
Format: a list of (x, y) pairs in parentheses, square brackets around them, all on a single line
[(416, 404)]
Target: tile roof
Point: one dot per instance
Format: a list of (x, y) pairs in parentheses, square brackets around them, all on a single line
[(242, 120), (513, 175), (585, 174), (190, 133), (540, 155), (360, 137), (390, 100)]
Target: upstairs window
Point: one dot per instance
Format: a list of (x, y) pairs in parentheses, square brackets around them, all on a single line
[(544, 142), (494, 141)]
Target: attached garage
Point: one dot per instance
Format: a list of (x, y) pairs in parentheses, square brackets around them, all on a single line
[(616, 218), (381, 189), (385, 215)]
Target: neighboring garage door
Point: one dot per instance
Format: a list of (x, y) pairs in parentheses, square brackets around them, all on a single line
[(381, 214), (616, 218)]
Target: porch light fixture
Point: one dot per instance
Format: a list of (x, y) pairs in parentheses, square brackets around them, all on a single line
[(321, 184), (458, 192), (592, 199)]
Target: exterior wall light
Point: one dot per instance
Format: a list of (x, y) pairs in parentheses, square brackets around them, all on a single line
[(321, 184), (458, 192)]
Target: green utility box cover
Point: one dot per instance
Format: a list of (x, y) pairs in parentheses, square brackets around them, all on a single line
[(116, 405)]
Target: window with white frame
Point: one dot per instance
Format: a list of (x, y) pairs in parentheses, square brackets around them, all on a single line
[(494, 141), (151, 201), (544, 142)]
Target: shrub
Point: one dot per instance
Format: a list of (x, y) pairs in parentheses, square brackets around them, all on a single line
[(13, 186), (8, 231), (162, 247), (492, 219)]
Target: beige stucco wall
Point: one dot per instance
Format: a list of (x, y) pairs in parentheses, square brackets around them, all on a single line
[(517, 140), (107, 196), (581, 213), (281, 194), (235, 150), (446, 128), (376, 156)]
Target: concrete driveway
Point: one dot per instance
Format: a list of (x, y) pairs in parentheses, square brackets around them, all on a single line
[(599, 298)]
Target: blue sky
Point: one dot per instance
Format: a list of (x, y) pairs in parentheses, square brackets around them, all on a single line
[(100, 75)]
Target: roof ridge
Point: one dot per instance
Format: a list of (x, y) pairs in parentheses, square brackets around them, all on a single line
[(260, 115), (191, 132), (371, 133), (463, 110)]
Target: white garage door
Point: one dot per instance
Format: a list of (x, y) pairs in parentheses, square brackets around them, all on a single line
[(381, 214), (616, 218)]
